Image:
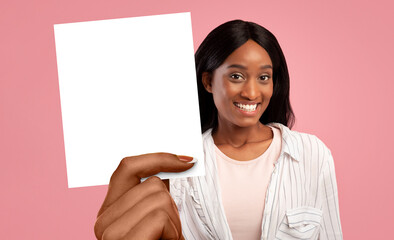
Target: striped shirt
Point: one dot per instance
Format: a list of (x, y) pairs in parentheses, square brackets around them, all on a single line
[(243, 185), (301, 200)]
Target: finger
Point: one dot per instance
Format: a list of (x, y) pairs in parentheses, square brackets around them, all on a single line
[(167, 183), (156, 202), (156, 225), (132, 169), (137, 194)]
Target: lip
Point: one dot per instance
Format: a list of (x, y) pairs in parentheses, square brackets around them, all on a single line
[(248, 113)]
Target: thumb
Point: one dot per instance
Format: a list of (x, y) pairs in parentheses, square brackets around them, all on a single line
[(132, 169), (150, 164)]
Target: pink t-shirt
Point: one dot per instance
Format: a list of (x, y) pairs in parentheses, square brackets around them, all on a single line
[(243, 187)]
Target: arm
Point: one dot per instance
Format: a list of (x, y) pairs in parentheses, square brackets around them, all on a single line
[(330, 224)]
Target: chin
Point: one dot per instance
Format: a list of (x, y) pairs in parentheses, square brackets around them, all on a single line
[(247, 124)]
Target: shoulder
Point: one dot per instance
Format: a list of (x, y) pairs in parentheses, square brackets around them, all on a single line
[(301, 145), (311, 141), (294, 136), (207, 134), (208, 144)]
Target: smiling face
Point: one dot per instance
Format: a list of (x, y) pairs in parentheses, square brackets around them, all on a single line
[(242, 86)]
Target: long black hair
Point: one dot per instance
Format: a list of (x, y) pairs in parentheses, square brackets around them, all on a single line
[(218, 45)]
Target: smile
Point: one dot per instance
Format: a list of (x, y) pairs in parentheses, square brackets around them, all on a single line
[(246, 107)]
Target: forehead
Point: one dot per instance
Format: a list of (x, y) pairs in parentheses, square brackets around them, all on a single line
[(249, 53)]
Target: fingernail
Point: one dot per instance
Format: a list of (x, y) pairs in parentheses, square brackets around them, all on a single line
[(187, 159), (193, 161)]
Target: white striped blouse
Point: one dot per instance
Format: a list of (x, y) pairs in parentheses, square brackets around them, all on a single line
[(301, 200)]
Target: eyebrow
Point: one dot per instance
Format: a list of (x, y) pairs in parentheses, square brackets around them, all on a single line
[(243, 67)]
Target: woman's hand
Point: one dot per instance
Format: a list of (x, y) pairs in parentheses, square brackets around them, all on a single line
[(135, 210)]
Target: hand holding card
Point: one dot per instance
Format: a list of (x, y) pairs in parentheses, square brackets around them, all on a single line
[(141, 210)]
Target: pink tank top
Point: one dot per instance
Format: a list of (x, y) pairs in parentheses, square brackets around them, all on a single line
[(243, 187)]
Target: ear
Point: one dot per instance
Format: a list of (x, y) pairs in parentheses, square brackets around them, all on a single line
[(207, 81)]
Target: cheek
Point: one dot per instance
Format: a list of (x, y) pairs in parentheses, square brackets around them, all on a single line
[(266, 91), (223, 96), (224, 90), (269, 90), (268, 94)]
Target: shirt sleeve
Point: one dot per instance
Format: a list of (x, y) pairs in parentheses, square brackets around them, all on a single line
[(330, 224), (185, 200)]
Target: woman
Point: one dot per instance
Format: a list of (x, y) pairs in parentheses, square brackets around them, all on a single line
[(263, 181)]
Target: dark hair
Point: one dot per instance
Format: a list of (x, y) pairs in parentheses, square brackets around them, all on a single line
[(218, 45)]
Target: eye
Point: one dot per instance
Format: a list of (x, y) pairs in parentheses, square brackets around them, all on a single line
[(236, 76), (264, 77)]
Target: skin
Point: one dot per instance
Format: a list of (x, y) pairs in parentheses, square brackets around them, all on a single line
[(135, 210), (244, 77)]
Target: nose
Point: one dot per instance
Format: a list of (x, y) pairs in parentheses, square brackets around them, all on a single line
[(250, 90)]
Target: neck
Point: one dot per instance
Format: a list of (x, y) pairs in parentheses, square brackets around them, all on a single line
[(239, 136)]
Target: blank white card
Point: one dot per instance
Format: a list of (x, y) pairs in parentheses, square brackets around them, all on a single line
[(127, 87)]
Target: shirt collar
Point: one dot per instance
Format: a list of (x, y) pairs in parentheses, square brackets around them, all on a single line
[(289, 141)]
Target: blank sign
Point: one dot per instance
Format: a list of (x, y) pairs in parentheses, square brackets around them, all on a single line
[(127, 87)]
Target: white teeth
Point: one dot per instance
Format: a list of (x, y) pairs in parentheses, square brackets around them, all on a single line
[(245, 107)]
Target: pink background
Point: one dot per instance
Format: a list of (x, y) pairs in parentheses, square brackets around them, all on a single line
[(340, 61)]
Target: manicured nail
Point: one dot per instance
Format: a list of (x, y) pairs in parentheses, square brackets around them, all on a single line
[(193, 161), (187, 159)]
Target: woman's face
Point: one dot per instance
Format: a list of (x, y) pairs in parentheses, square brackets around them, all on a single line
[(242, 86)]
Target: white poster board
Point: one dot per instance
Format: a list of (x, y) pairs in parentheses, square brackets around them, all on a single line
[(127, 87)]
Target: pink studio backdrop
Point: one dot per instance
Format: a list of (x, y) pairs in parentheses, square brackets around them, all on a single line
[(340, 61)]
